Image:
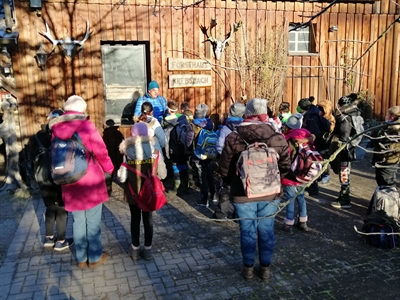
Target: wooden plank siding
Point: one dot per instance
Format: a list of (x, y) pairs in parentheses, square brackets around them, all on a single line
[(173, 31)]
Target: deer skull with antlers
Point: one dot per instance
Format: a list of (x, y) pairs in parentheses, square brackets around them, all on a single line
[(218, 44), (68, 44)]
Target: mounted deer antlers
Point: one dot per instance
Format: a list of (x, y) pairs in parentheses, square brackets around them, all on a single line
[(218, 44), (68, 44)]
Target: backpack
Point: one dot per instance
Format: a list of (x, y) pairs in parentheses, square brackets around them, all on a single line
[(358, 127), (151, 196), (385, 198), (42, 165), (177, 140), (206, 147), (307, 163), (380, 230), (258, 169), (68, 159)]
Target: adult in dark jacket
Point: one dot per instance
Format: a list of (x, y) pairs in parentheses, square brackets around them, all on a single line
[(51, 193), (348, 123), (254, 129)]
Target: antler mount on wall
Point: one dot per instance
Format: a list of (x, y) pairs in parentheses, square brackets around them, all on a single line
[(68, 44), (219, 44)]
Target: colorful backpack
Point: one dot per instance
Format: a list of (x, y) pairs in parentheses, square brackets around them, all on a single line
[(258, 169), (206, 147), (307, 163), (151, 196), (69, 161)]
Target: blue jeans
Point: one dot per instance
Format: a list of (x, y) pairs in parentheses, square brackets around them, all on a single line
[(87, 234), (262, 228), (291, 192)]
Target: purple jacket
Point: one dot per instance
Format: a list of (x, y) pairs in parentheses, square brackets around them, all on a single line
[(90, 190)]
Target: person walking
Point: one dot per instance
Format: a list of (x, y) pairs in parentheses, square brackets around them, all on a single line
[(85, 197), (252, 211), (51, 193), (155, 99), (140, 152)]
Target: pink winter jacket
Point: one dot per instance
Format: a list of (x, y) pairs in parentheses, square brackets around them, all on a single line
[(90, 190)]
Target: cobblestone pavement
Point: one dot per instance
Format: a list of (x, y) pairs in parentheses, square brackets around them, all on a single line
[(199, 259)]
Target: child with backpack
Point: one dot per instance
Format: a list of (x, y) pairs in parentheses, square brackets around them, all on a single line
[(348, 123), (51, 192), (295, 136), (205, 151), (140, 152)]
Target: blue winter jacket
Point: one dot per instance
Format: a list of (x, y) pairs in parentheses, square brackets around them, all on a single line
[(159, 106), (231, 124)]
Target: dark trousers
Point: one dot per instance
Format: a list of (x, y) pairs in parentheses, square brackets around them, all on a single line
[(204, 169), (386, 176), (58, 215), (136, 216)]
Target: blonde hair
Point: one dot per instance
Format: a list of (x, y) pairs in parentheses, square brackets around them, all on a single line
[(394, 112)]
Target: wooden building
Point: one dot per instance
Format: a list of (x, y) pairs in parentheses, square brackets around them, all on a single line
[(131, 42)]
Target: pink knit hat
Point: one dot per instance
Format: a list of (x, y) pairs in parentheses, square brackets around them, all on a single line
[(141, 129)]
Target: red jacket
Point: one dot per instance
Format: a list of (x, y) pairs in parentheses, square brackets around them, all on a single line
[(90, 190)]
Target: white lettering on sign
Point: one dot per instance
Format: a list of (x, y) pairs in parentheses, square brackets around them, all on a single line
[(185, 64), (192, 80)]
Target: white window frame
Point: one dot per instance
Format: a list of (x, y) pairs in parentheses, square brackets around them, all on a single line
[(293, 38)]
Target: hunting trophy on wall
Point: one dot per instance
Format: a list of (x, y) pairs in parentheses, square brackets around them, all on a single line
[(218, 44), (68, 44)]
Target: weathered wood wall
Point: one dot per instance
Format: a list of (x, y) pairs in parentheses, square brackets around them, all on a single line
[(174, 32)]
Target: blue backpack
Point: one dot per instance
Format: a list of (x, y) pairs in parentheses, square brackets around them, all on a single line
[(206, 147), (69, 161)]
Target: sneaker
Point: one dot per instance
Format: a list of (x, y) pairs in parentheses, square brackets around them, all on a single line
[(60, 246), (98, 263), (135, 253), (288, 228), (49, 242), (338, 204), (146, 254), (265, 272), (202, 203), (247, 272), (82, 265)]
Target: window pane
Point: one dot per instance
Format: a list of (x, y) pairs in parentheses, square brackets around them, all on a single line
[(303, 37), (292, 36), (302, 47), (292, 47)]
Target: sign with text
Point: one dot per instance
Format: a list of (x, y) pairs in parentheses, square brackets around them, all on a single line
[(189, 80), (185, 64)]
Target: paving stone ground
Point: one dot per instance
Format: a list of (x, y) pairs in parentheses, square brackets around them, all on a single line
[(195, 258)]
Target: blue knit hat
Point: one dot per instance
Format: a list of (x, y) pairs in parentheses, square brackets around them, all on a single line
[(153, 85)]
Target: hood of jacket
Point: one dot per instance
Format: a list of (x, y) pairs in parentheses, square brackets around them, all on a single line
[(64, 126), (205, 123), (138, 147), (300, 135), (233, 122), (312, 111)]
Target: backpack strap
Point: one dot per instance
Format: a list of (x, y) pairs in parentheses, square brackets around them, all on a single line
[(41, 147), (247, 144)]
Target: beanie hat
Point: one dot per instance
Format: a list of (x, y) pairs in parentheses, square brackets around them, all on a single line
[(304, 103), (256, 106), (75, 103), (55, 113), (237, 110), (295, 121), (141, 129), (347, 99), (152, 85), (201, 111)]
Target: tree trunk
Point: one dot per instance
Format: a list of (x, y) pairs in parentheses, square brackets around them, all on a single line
[(13, 181)]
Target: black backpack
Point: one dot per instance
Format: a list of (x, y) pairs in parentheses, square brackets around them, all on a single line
[(42, 165), (177, 140)]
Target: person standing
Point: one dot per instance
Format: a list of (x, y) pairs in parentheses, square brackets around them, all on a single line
[(248, 210), (157, 101), (51, 193), (85, 197), (140, 152)]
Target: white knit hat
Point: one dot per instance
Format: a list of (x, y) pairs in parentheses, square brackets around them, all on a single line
[(75, 103), (256, 106)]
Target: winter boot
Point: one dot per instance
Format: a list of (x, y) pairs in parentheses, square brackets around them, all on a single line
[(343, 201)]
